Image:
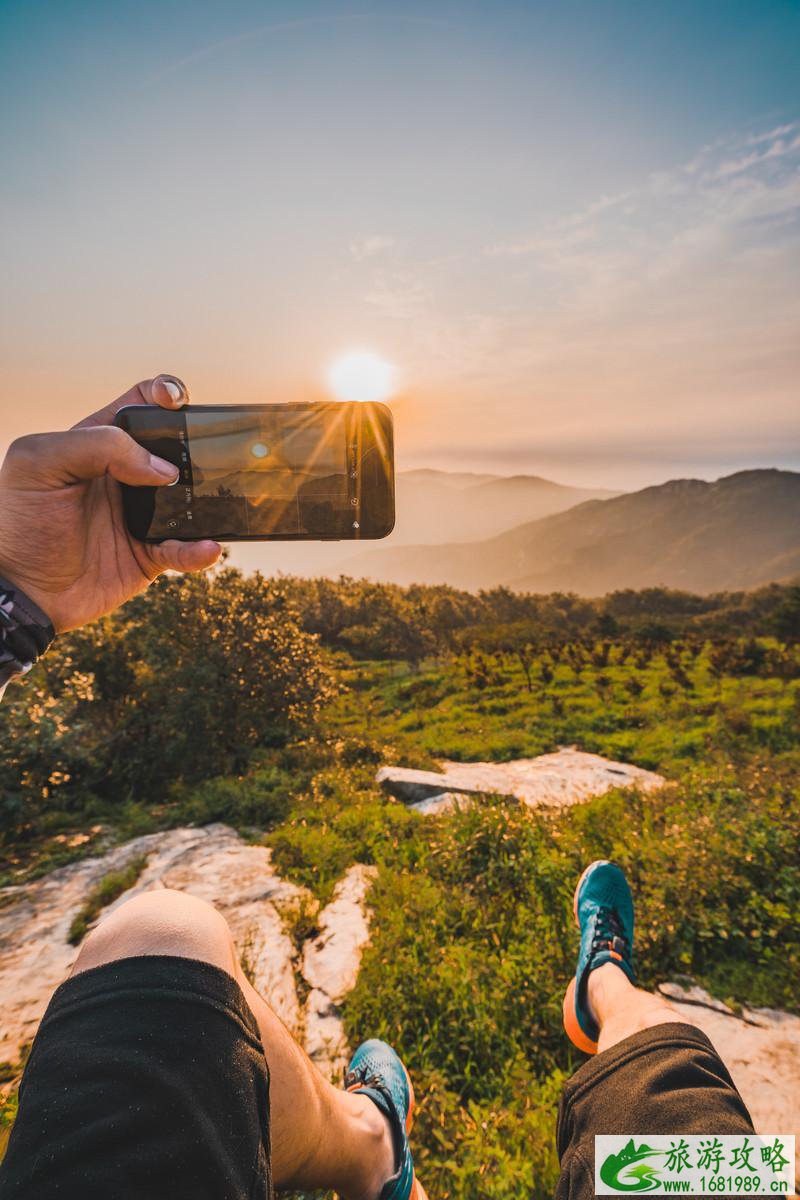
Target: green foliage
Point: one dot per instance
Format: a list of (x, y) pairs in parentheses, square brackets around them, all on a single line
[(182, 684), (270, 704), (664, 708), (110, 887)]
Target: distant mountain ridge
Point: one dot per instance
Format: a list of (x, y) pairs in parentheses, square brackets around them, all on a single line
[(433, 507), (738, 532), (443, 506)]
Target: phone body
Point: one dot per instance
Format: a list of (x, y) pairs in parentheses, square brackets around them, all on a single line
[(264, 472)]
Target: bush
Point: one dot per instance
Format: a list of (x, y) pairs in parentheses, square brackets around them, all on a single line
[(182, 684)]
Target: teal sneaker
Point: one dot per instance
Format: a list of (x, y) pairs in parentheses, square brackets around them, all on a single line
[(603, 908), (376, 1071)]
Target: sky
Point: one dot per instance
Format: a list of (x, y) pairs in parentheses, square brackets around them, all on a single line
[(573, 227)]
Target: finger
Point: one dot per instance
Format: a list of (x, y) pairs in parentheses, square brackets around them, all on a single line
[(166, 391), (54, 459), (183, 556)]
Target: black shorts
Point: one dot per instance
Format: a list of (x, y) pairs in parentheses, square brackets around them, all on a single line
[(147, 1081), (668, 1079)]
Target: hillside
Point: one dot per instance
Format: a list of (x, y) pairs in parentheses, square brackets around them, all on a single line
[(738, 532), (258, 788), (433, 507)]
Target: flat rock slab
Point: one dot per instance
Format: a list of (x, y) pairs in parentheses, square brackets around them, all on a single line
[(551, 780), (761, 1049), (217, 865)]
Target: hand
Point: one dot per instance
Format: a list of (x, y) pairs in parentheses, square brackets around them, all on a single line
[(63, 539)]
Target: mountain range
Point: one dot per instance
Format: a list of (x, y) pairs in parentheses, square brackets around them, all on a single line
[(433, 508), (738, 532)]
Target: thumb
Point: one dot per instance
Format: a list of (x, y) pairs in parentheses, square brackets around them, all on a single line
[(183, 556), (81, 454)]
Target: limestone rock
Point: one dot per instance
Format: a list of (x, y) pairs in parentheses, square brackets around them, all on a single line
[(326, 1044), (332, 959), (35, 956), (551, 780), (215, 864)]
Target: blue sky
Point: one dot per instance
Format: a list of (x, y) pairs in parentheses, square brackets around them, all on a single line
[(574, 227)]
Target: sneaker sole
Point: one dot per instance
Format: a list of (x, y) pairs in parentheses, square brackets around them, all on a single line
[(571, 1026), (417, 1190)]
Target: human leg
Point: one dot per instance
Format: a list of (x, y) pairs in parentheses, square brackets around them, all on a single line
[(652, 1071), (320, 1135)]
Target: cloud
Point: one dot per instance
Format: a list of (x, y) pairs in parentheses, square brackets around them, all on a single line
[(370, 244), (399, 295), (714, 208), (670, 310)]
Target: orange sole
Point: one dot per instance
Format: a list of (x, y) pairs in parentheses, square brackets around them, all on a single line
[(417, 1190), (571, 1026), (411, 1099)]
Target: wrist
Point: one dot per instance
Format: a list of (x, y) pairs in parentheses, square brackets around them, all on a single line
[(26, 631)]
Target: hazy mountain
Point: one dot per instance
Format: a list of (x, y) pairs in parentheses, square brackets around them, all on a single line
[(738, 532), (432, 507), (440, 506)]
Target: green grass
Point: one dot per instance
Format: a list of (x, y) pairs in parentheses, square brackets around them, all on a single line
[(618, 709), (472, 937), (110, 888), (473, 941)]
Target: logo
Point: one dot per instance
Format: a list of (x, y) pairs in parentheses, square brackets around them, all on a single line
[(695, 1164), (630, 1171)]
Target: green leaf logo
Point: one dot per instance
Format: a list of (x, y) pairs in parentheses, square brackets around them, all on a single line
[(627, 1172)]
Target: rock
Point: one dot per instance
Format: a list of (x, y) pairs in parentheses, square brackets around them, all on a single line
[(442, 802), (760, 1048), (326, 1044), (332, 959), (215, 864), (35, 956), (241, 882), (551, 780), (692, 994)]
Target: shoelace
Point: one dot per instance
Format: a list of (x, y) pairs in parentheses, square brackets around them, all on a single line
[(609, 933), (359, 1079)]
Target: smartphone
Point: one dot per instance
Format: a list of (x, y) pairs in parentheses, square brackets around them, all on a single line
[(264, 472)]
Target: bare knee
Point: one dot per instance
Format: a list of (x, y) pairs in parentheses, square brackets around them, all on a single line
[(160, 922)]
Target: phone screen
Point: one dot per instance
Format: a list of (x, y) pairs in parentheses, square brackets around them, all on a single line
[(270, 471)]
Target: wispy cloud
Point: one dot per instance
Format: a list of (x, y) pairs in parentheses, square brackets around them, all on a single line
[(370, 244), (715, 200), (202, 53), (668, 310), (397, 294)]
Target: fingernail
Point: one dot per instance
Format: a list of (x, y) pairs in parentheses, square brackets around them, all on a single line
[(174, 392), (169, 471)]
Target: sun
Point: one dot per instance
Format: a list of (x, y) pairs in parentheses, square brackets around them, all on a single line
[(362, 376)]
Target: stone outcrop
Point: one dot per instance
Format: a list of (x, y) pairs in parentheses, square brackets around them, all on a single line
[(549, 781), (215, 864), (330, 965)]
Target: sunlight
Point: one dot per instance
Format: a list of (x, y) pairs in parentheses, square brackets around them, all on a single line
[(362, 376)]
